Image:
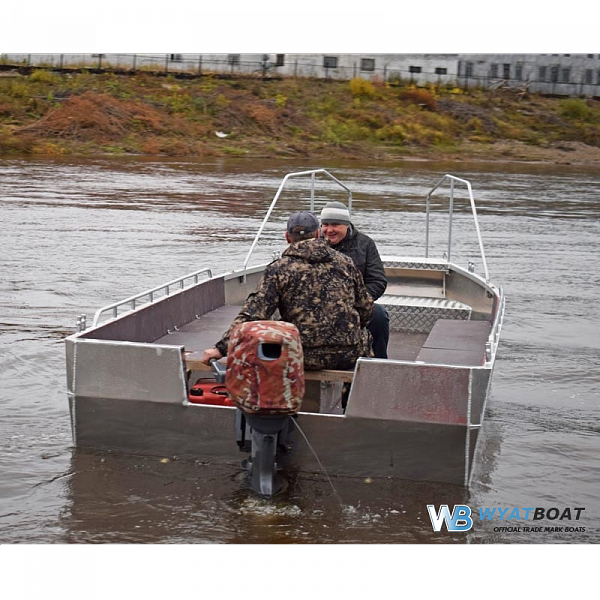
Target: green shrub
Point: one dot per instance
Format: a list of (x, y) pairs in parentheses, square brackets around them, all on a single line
[(575, 109)]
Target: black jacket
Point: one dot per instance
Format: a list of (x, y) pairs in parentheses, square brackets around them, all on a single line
[(363, 251)]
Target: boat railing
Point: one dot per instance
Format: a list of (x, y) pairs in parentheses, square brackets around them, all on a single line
[(494, 337), (150, 296), (313, 173), (454, 180)]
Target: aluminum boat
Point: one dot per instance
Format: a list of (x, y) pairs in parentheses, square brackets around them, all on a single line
[(416, 415)]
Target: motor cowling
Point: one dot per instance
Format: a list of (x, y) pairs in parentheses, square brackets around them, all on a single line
[(265, 368)]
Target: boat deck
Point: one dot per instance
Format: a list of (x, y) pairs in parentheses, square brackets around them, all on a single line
[(203, 332)]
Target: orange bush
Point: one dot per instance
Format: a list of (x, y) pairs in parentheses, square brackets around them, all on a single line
[(419, 96), (95, 117)]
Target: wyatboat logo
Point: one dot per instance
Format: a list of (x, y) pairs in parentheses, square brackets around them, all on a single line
[(461, 518)]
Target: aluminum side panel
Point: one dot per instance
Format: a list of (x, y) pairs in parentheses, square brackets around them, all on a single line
[(396, 391), (151, 322), (127, 371)]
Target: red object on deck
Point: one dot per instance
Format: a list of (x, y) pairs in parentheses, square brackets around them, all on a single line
[(207, 391)]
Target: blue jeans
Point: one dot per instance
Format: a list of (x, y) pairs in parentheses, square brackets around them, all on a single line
[(379, 326)]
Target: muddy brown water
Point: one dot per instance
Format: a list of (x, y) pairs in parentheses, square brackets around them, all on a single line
[(81, 234)]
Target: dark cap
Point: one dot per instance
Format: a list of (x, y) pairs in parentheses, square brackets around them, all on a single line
[(302, 222)]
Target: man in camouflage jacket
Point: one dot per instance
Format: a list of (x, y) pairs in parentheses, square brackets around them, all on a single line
[(317, 289)]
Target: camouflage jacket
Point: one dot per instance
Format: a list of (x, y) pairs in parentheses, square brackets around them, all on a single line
[(322, 293)]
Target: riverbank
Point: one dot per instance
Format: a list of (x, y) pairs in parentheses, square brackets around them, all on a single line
[(85, 114)]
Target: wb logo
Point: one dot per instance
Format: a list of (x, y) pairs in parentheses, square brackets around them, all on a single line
[(458, 520)]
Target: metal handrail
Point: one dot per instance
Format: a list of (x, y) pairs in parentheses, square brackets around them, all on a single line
[(453, 179), (312, 173), (494, 337), (132, 300)]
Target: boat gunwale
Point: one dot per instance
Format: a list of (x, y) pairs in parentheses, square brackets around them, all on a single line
[(496, 322)]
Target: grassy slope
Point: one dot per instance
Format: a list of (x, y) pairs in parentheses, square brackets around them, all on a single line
[(87, 114)]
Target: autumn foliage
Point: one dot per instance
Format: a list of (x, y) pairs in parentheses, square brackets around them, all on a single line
[(83, 113), (96, 117)]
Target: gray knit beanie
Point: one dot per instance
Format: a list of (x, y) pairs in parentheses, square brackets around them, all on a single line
[(335, 212)]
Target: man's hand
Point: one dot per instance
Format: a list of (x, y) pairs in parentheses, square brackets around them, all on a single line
[(209, 354)]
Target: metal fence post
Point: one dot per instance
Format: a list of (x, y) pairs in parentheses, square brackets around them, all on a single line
[(166, 63), (200, 64)]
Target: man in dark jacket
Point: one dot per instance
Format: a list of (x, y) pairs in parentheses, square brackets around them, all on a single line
[(341, 234), (317, 289)]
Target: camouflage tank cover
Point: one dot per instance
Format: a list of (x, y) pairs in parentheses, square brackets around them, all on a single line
[(322, 293), (265, 386)]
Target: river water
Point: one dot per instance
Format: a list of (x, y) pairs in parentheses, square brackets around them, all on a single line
[(78, 235)]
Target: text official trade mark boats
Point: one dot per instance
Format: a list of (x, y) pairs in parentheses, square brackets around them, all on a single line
[(416, 415)]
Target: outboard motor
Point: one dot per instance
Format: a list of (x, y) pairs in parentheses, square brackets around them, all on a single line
[(265, 380)]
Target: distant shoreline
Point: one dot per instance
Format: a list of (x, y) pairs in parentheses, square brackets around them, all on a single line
[(92, 115)]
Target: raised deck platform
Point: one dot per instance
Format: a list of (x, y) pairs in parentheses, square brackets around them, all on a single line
[(456, 343)]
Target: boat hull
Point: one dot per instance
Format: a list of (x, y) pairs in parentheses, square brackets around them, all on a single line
[(345, 446), (404, 419)]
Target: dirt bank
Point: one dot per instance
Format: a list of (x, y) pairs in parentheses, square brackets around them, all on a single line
[(85, 114)]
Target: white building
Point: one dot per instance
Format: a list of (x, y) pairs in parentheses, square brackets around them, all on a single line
[(387, 67), (560, 74), (420, 68)]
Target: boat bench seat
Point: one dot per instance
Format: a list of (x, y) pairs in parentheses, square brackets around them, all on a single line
[(413, 314), (193, 362), (453, 342), (332, 375)]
